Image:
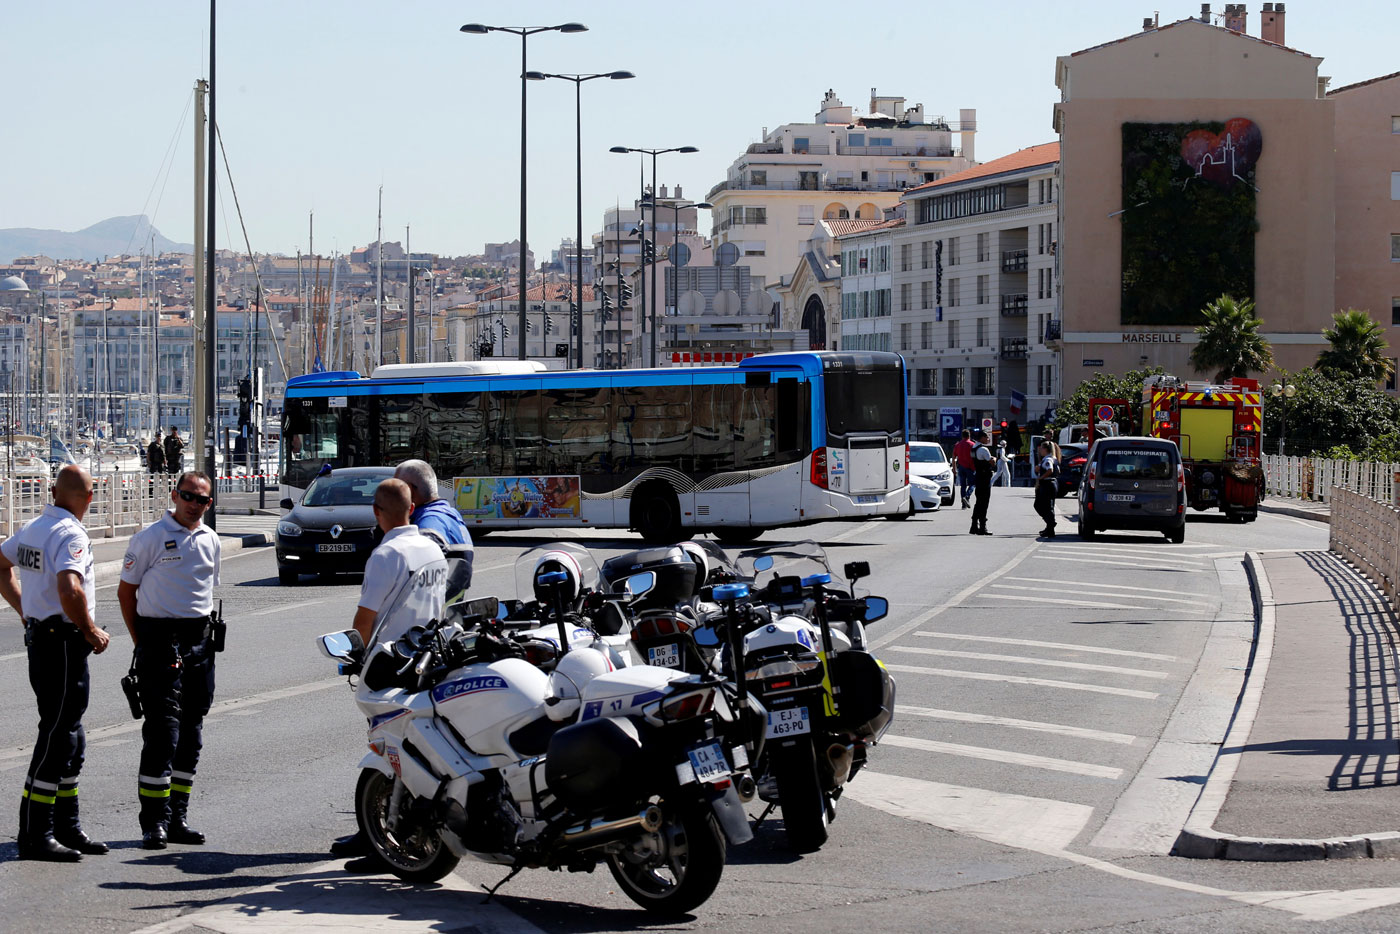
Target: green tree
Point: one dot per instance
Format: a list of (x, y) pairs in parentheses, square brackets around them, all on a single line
[(1074, 410), (1230, 343), (1357, 348), (1331, 410)]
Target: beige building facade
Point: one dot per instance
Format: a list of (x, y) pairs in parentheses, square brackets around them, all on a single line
[(1256, 133)]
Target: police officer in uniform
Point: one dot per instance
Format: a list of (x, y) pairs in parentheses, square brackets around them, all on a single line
[(54, 596), (405, 585), (167, 599)]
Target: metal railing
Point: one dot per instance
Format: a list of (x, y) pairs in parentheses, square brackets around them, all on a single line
[(1314, 478), (1366, 532), (1015, 305), (1014, 260)]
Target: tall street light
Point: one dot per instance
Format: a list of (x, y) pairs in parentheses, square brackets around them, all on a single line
[(676, 244), (653, 153), (414, 274), (524, 32), (578, 170)]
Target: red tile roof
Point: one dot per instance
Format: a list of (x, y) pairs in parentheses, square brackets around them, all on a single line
[(878, 225), (1362, 84), (842, 227), (1183, 22), (1031, 156)]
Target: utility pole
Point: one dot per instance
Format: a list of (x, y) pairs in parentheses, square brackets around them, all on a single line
[(198, 398), (379, 285)]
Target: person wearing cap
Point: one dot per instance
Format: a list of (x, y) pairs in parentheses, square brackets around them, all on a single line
[(155, 455), (55, 597), (981, 483), (166, 595)]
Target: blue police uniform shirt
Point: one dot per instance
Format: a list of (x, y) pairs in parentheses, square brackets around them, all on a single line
[(441, 517), (53, 542), (175, 569)]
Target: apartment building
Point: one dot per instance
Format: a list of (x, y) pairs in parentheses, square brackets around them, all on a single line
[(867, 286), (974, 285), (838, 166)]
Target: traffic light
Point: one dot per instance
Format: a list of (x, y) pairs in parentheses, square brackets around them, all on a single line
[(486, 350), (245, 401), (548, 324), (624, 291), (505, 331), (648, 252), (575, 319)]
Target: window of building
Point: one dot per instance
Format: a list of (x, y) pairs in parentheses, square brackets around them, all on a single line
[(953, 334), (906, 257), (932, 176), (758, 178), (807, 181), (954, 293), (983, 381), (882, 140), (756, 248), (1390, 379), (906, 296), (953, 251), (1395, 311), (925, 335), (800, 144), (953, 382), (806, 214), (984, 249), (864, 176), (926, 294), (1395, 124), (1395, 186), (855, 139), (882, 258), (905, 328), (926, 254), (982, 332), (1395, 248), (983, 283), (1045, 380)]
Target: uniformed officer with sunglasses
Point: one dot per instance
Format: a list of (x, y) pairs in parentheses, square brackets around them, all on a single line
[(55, 598), (167, 599)]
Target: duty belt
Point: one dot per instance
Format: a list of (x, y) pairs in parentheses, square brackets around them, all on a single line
[(54, 625)]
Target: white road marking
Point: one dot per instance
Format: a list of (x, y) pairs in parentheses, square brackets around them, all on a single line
[(1122, 564), (6, 658), (999, 755), (1046, 826), (1147, 559), (1017, 679), (1068, 646), (326, 898), (1061, 580), (1026, 660), (959, 716), (1056, 601), (1092, 593), (285, 607), (228, 706), (113, 742)]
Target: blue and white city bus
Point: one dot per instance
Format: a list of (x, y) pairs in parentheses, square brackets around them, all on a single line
[(777, 440)]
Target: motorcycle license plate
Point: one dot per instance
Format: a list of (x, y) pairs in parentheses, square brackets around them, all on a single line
[(788, 722), (866, 500), (709, 762), (664, 656), (1119, 497), (334, 547)]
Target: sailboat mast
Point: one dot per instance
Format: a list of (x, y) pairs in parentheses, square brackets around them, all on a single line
[(379, 284)]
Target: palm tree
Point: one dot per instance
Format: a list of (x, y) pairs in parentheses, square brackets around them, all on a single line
[(1230, 343), (1358, 347)]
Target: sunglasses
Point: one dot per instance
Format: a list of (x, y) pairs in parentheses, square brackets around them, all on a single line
[(200, 498)]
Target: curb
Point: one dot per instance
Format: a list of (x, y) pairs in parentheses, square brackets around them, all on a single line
[(107, 572), (1199, 839), (1297, 512)]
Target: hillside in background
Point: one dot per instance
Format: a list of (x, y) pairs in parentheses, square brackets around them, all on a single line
[(112, 237)]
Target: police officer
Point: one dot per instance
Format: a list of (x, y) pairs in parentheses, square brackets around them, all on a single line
[(405, 585), (981, 482), (54, 558), (167, 599)]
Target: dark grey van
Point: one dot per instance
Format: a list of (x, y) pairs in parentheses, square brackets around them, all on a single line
[(1133, 483)]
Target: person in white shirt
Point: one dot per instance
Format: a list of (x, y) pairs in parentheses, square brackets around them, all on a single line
[(1003, 468), (55, 597)]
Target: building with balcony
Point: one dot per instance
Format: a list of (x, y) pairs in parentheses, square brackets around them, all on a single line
[(973, 279), (839, 166), (867, 287)]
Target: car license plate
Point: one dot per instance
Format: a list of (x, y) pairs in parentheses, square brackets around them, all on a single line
[(1119, 497), (334, 547), (866, 500), (664, 656), (788, 722), (709, 762)]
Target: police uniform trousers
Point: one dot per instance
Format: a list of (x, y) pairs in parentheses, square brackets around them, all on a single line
[(58, 673), (982, 493), (1046, 493), (175, 671)]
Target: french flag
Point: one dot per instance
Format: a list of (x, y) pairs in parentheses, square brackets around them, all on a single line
[(1018, 401)]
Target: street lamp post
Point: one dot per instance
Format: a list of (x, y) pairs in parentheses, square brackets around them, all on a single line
[(1282, 392), (414, 273), (578, 81), (675, 248), (653, 153), (524, 32)]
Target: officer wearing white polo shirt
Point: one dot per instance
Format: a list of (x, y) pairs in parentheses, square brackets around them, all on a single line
[(55, 598), (167, 599)]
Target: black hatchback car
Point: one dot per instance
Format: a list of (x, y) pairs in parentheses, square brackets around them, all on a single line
[(1133, 483), (332, 530)]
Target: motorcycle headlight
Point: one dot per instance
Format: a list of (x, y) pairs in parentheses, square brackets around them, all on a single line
[(288, 529)]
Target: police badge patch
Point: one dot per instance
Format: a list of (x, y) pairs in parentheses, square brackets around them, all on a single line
[(170, 545)]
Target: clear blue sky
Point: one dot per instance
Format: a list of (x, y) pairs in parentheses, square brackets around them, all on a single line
[(322, 102)]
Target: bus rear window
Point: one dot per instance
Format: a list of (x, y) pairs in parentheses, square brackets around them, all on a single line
[(870, 400)]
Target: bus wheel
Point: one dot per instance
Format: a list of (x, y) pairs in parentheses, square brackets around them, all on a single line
[(656, 515), (738, 535)]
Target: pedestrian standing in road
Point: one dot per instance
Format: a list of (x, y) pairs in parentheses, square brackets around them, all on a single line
[(1047, 486), (962, 459), (405, 585), (1002, 476), (155, 455), (167, 599), (54, 596), (982, 483), (174, 452)]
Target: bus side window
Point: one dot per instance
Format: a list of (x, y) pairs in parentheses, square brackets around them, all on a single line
[(400, 429), (712, 414), (576, 434), (755, 428), (458, 444), (515, 420)]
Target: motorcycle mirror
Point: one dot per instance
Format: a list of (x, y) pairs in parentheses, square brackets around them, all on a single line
[(762, 563), (482, 607), (639, 585), (855, 570), (341, 646), (876, 608)]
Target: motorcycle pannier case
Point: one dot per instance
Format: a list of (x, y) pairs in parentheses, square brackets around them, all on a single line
[(595, 765), (675, 575), (867, 694)]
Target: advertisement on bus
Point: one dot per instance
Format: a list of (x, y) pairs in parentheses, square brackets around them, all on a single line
[(517, 497)]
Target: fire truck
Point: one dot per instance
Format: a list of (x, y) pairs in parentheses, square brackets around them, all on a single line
[(1219, 429)]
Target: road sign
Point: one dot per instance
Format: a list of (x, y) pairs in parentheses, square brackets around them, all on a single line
[(987, 425), (949, 422), (1105, 413)]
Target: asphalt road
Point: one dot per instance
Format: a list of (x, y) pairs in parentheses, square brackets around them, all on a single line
[(1041, 755)]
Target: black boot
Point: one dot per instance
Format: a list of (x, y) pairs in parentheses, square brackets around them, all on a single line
[(67, 829), (36, 841), (178, 831), (353, 845), (155, 816)]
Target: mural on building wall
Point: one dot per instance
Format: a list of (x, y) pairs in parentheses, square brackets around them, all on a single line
[(1188, 217)]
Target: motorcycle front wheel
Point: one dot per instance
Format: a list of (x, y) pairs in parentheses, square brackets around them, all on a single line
[(678, 867), (414, 853), (801, 796)]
